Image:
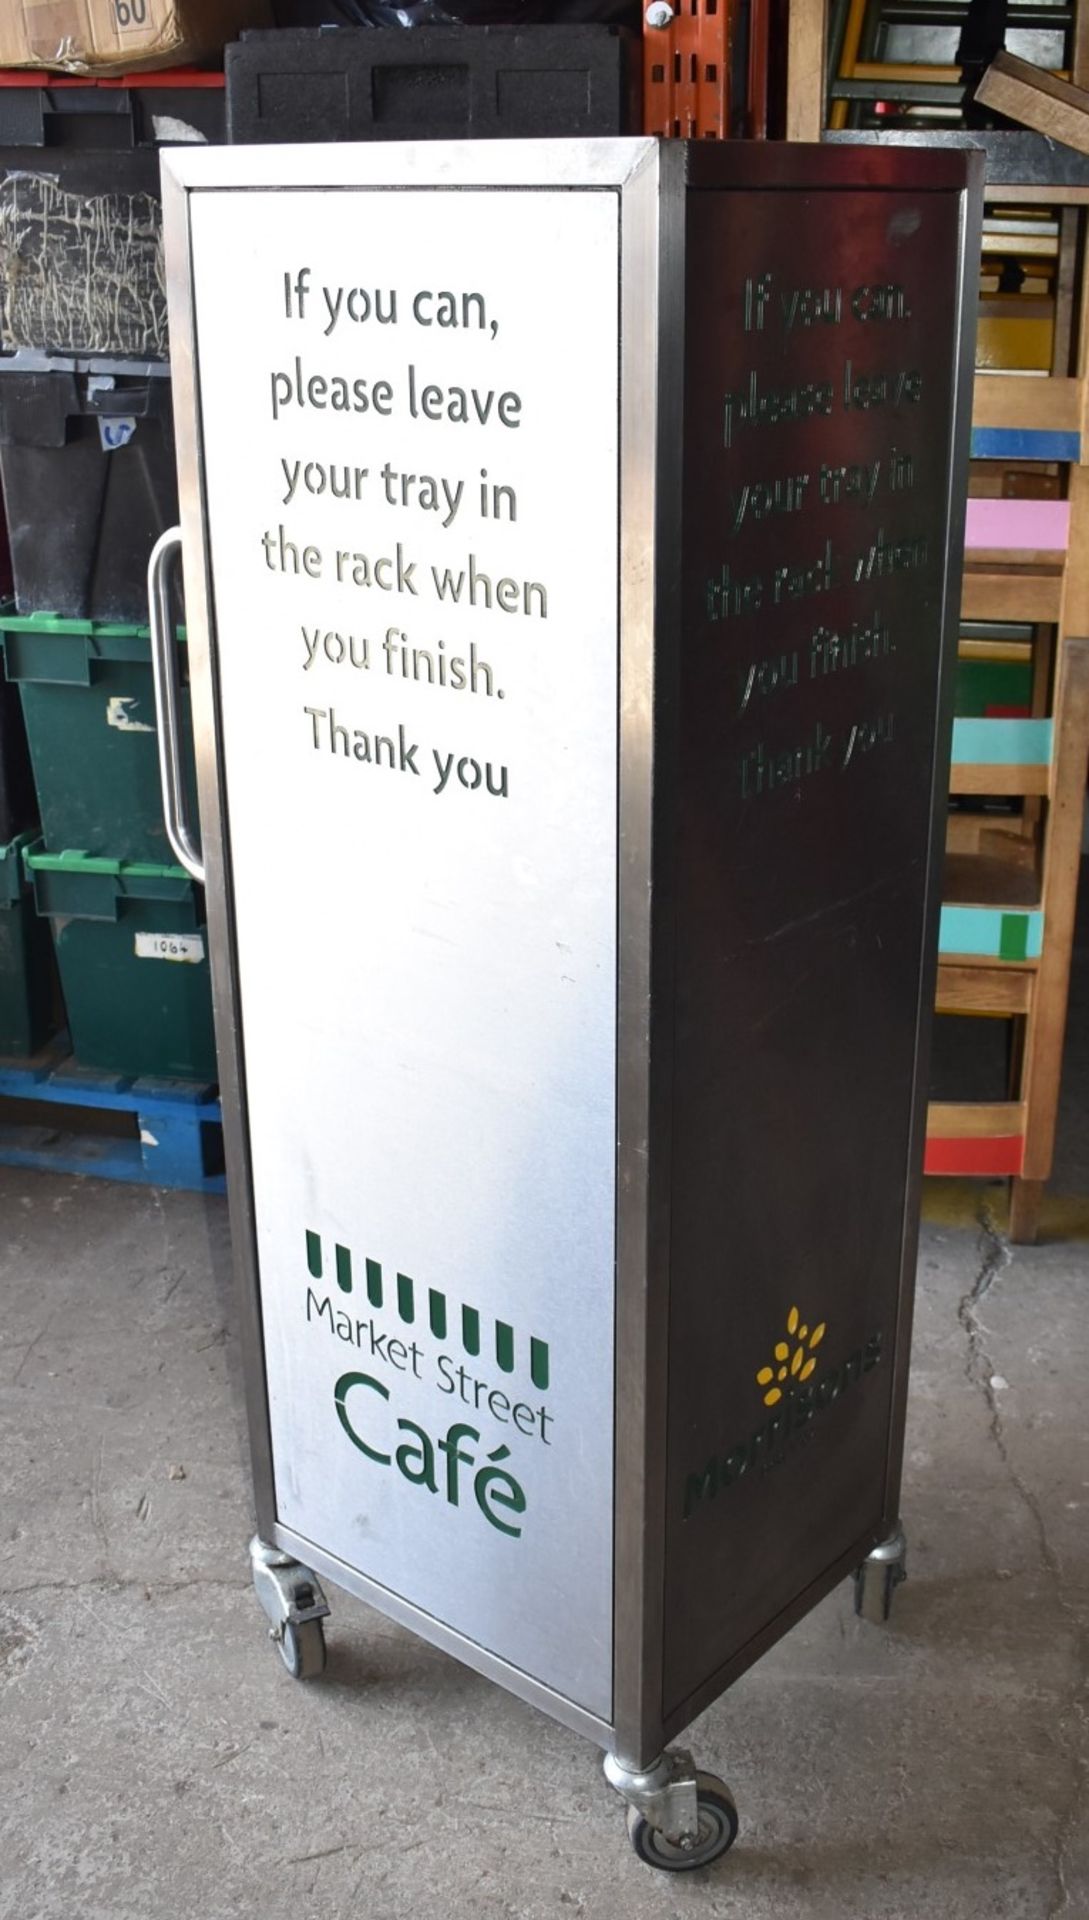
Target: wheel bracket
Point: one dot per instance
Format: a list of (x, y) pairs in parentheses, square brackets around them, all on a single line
[(289, 1593), (665, 1793)]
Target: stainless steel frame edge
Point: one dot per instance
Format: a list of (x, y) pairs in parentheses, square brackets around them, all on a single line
[(214, 826), (971, 223), (652, 329), (632, 168)]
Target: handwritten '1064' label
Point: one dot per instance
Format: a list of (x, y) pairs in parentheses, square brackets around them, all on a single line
[(170, 946)]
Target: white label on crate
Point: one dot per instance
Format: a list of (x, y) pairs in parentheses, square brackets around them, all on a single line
[(412, 497), (170, 946), (115, 431), (119, 716)]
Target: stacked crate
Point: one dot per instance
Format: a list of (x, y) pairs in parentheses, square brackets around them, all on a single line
[(27, 995), (1021, 738), (87, 460)]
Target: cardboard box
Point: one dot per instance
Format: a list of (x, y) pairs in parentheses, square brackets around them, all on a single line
[(120, 36)]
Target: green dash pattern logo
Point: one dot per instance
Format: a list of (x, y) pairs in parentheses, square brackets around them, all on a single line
[(797, 1401), (414, 1338)]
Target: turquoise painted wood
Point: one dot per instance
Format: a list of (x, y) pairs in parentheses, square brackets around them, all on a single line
[(1002, 743), (989, 933)]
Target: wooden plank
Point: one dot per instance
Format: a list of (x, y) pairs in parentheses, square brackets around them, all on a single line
[(1024, 443), (990, 836), (1024, 559), (988, 990), (1074, 605), (993, 594), (1037, 99), (993, 1157), (905, 72), (1059, 194), (1010, 652), (1079, 48), (1062, 339), (1003, 871), (1001, 782), (1026, 1196), (1039, 402), (964, 1120), (1002, 742), (805, 70), (1023, 246), (991, 933), (1062, 861), (1028, 526)]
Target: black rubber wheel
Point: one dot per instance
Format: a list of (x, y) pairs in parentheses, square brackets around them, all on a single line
[(718, 1831), (302, 1649)]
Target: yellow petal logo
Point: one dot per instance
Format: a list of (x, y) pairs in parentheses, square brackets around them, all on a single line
[(794, 1358)]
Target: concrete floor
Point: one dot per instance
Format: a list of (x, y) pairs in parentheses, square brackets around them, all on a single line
[(157, 1760)]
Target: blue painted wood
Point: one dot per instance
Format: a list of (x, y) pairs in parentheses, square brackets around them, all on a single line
[(1002, 743), (170, 1117), (1024, 443)]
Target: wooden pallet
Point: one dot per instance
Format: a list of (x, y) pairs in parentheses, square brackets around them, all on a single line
[(173, 1137)]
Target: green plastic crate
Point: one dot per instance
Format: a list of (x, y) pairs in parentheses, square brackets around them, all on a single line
[(984, 685), (132, 951), (89, 704), (27, 978)]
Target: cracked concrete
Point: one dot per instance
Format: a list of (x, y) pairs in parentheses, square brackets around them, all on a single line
[(996, 1255), (157, 1758)]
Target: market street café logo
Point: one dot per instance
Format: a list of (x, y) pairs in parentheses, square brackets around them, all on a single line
[(411, 1333), (796, 1407)]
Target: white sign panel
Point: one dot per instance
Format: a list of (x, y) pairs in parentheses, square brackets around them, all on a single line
[(409, 412)]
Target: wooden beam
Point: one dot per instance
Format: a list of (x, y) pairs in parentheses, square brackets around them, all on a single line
[(996, 595), (1023, 246), (1062, 341), (806, 31), (965, 1120), (1037, 99), (1079, 65), (1060, 195), (998, 780), (1062, 862), (1026, 402), (1003, 990), (1031, 527), (1007, 652)]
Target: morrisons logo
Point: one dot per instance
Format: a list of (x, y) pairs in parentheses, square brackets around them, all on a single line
[(797, 1399)]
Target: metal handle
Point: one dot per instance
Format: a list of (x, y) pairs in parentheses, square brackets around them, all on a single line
[(165, 673)]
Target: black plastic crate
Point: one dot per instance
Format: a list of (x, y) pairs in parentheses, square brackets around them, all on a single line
[(58, 112), (439, 83), (87, 455), (81, 252)]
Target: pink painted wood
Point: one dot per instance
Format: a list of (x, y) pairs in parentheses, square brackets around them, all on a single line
[(1032, 526)]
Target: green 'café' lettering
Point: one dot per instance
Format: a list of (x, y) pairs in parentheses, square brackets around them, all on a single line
[(493, 1487)]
